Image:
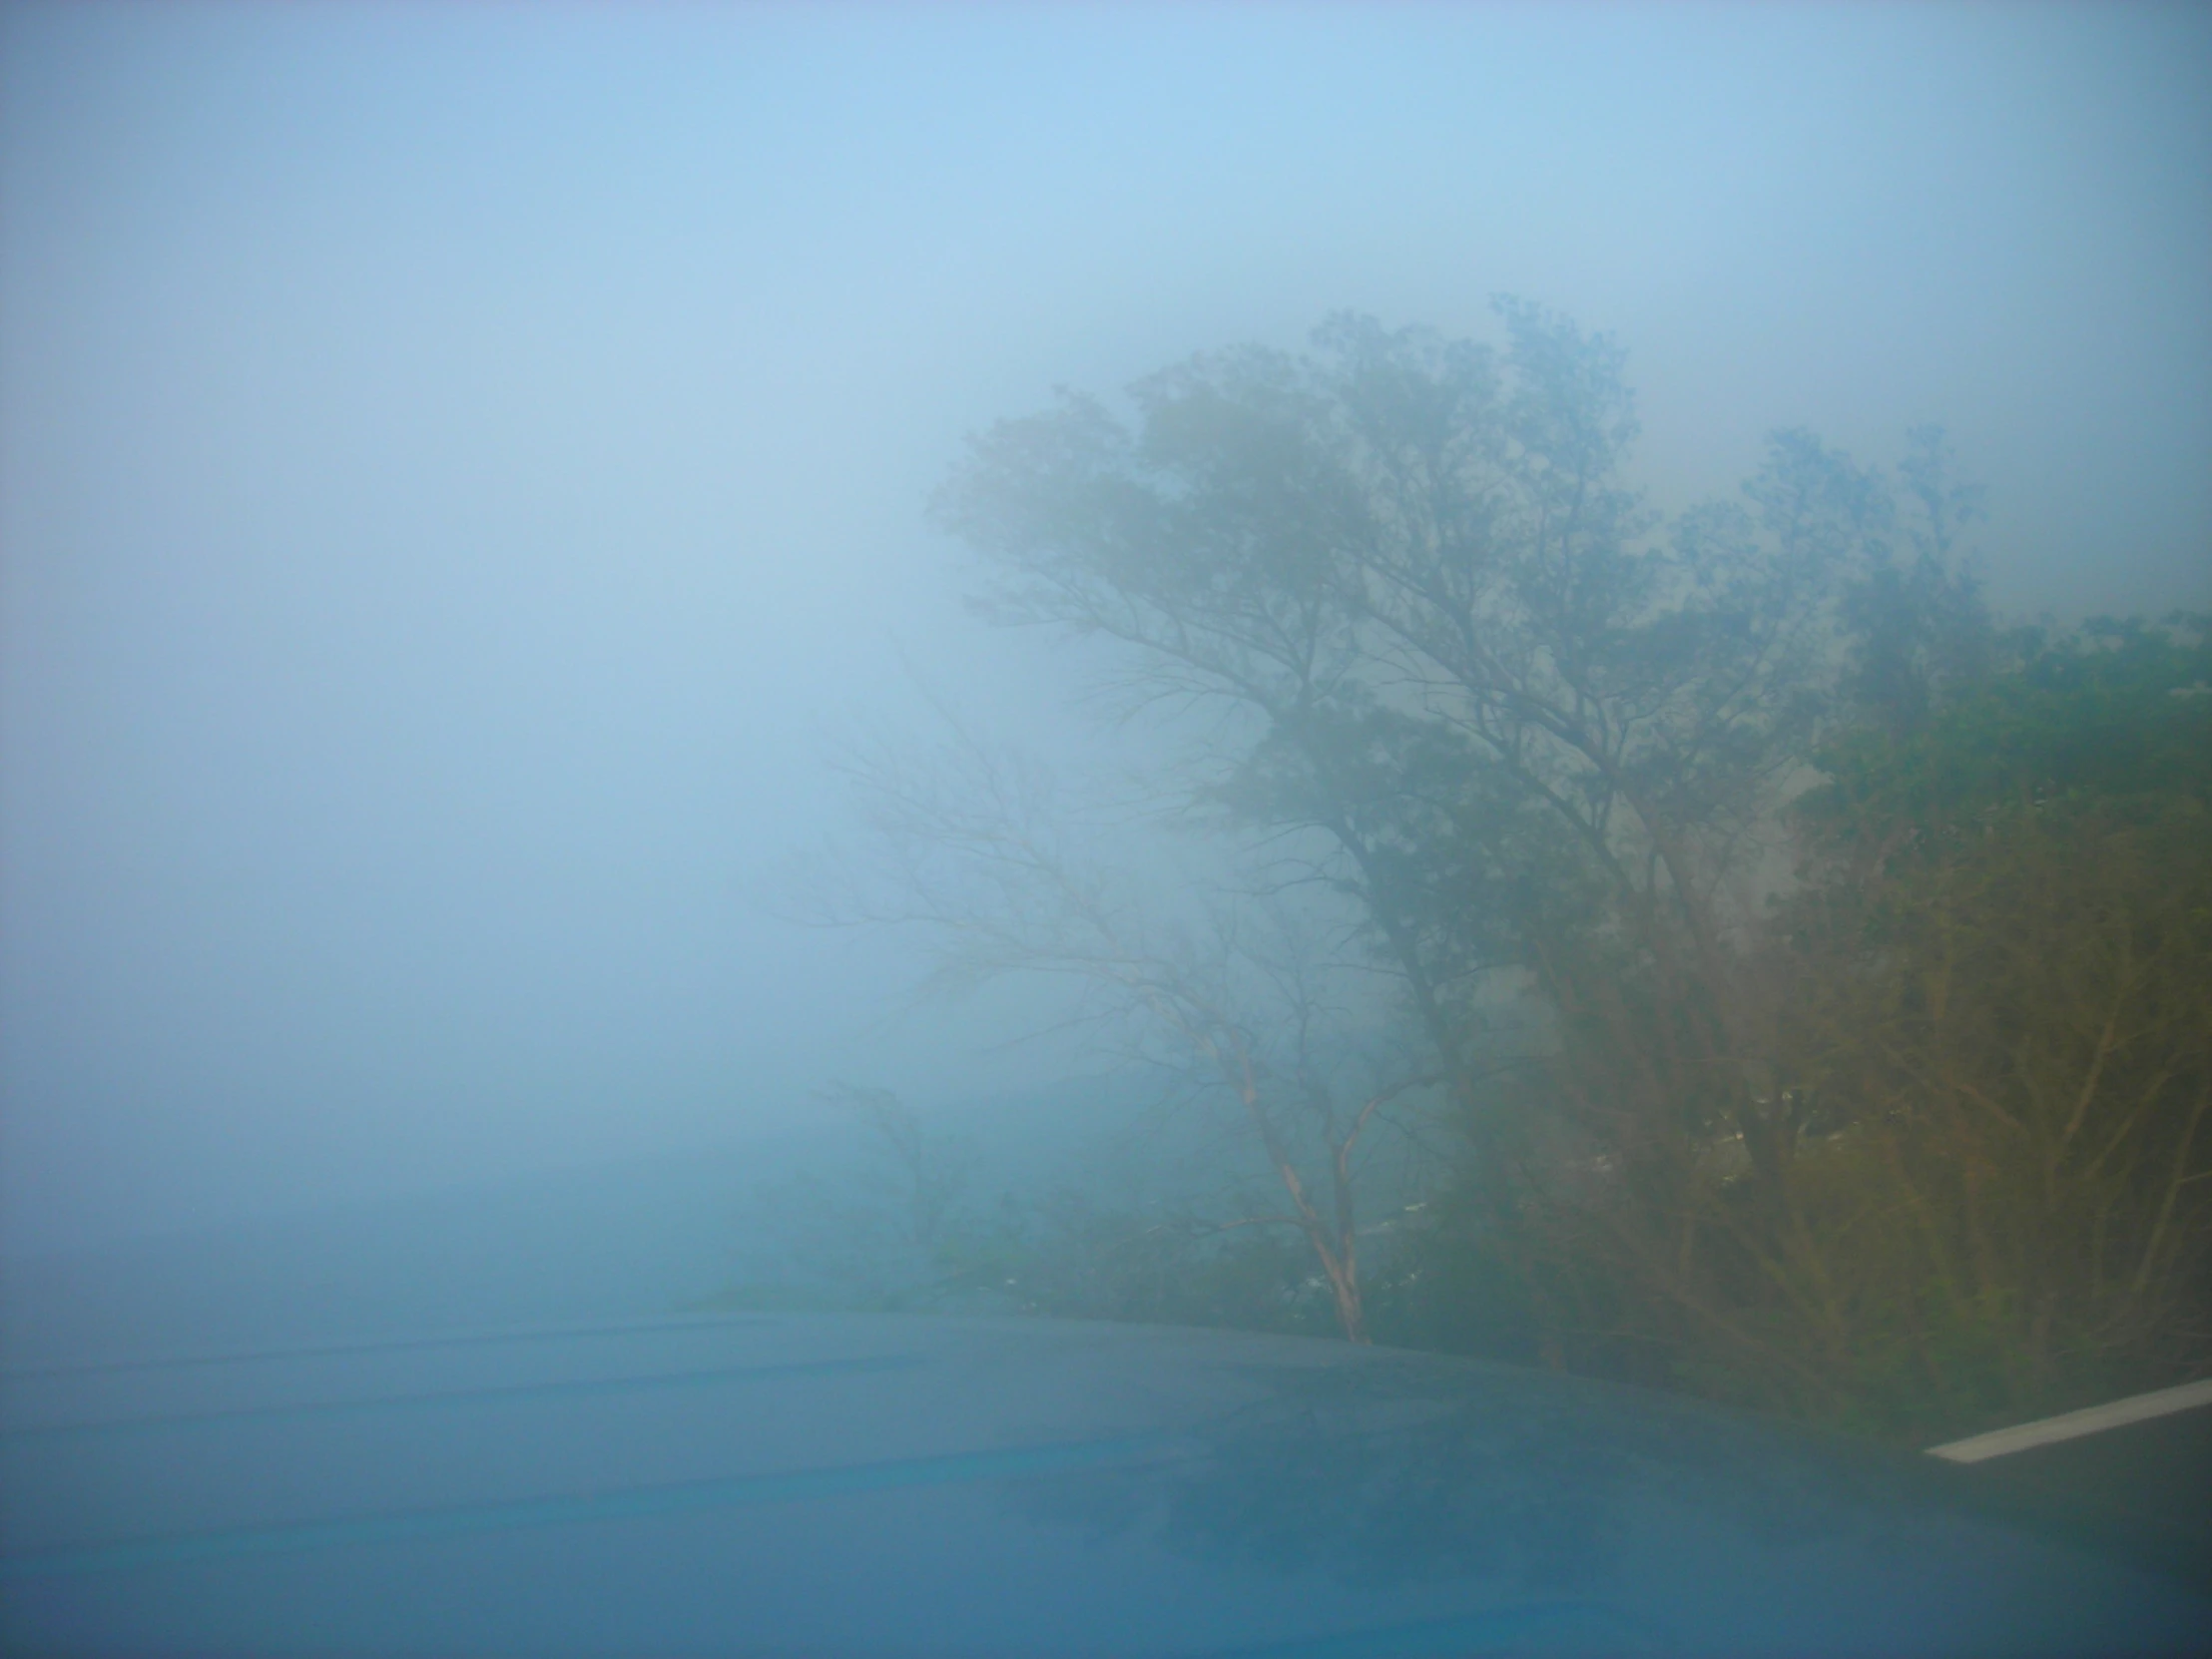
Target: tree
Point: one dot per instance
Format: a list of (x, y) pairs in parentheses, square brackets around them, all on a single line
[(1863, 942), (933, 1174), (1988, 999), (1241, 1000), (1465, 678), (1999, 976)]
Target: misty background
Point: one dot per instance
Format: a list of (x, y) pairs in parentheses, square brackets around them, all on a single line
[(460, 469)]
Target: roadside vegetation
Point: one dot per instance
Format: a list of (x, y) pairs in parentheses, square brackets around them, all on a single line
[(1707, 950)]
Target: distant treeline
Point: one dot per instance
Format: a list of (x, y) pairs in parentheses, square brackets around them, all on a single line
[(1861, 945)]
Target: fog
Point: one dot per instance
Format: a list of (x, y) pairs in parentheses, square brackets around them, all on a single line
[(461, 467)]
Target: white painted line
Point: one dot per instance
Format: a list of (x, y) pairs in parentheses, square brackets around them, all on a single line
[(2072, 1424)]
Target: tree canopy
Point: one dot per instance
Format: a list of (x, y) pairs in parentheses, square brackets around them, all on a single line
[(1863, 943)]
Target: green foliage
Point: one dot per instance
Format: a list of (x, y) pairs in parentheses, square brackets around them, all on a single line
[(1979, 1037), (1909, 1143), (2001, 975), (2117, 710)]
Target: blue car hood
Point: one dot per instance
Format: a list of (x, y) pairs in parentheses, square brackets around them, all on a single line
[(848, 1485)]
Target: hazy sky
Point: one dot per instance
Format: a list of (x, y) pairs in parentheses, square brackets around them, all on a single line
[(456, 462)]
